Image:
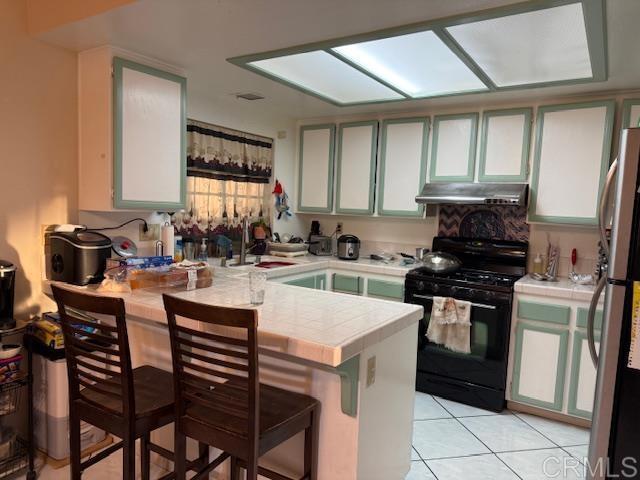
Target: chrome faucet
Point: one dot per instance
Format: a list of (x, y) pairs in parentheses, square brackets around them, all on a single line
[(242, 260)]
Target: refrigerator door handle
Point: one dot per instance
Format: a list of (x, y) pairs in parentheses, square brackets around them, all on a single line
[(604, 204), (591, 320)]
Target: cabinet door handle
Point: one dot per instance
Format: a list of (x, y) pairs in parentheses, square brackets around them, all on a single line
[(473, 304)]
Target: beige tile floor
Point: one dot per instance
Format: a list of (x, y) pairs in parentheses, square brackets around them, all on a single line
[(452, 441)]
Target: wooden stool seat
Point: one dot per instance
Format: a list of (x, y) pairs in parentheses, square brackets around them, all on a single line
[(280, 411), (154, 400)]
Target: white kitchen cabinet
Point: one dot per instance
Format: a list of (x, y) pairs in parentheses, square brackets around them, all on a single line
[(572, 153), (540, 361), (132, 133), (403, 160), (631, 113), (504, 145), (315, 168), (356, 167), (583, 377), (453, 148)]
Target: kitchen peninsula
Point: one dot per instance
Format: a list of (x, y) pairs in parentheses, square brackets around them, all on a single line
[(352, 353)]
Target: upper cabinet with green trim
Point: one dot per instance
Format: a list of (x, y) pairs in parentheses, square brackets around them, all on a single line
[(504, 145), (132, 130), (315, 168), (403, 160), (150, 125), (572, 154), (631, 113), (453, 149), (356, 167)]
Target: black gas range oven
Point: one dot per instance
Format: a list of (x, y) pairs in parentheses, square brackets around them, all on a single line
[(489, 270)]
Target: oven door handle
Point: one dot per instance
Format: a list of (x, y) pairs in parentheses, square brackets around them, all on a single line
[(473, 304)]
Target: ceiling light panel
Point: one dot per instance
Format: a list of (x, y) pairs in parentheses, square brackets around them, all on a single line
[(535, 47), (327, 76), (418, 64)]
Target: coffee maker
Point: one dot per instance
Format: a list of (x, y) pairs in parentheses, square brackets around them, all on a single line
[(7, 288)]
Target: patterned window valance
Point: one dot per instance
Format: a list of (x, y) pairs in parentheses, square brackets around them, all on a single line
[(226, 154)]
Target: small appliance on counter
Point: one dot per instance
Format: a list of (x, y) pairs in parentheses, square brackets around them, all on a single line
[(320, 245), (77, 257), (348, 247), (7, 289)]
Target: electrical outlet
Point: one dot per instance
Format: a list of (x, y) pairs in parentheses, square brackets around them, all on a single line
[(339, 227), (371, 371), (151, 235)]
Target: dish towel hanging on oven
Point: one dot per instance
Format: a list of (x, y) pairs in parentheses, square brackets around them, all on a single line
[(450, 324)]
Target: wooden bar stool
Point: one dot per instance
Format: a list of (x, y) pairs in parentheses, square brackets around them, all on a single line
[(219, 400), (103, 388)]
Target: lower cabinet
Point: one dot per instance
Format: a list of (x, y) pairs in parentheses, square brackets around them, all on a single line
[(317, 282), (387, 289), (540, 364), (550, 364), (583, 377), (347, 283)]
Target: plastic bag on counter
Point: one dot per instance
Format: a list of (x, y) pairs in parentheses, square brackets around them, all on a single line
[(186, 274)]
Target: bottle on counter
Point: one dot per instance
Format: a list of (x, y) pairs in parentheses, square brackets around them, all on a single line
[(178, 254), (203, 252), (538, 264)]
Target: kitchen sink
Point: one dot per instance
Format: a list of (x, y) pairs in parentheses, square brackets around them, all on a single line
[(274, 264)]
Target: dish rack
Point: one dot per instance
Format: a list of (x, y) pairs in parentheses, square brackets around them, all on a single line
[(17, 452)]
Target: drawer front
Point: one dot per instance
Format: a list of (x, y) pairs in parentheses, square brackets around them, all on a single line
[(385, 289), (544, 312), (581, 319), (347, 283), (321, 282), (307, 282)]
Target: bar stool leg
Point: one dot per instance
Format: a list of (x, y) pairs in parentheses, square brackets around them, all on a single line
[(311, 435), (128, 457), (180, 453), (234, 469), (145, 457), (74, 446), (252, 469)]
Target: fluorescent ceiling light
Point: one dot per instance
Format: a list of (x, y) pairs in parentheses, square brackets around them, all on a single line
[(541, 46), (325, 75), (418, 64)]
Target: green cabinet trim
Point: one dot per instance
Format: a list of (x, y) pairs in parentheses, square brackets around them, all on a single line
[(332, 139), (372, 166), (604, 164), (347, 284), (544, 312), (418, 212), (321, 282), (560, 373), (468, 177), (307, 282), (578, 338), (581, 318), (385, 289), (526, 145), (119, 64), (626, 111)]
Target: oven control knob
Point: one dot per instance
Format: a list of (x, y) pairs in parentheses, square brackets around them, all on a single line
[(420, 285), (435, 287)]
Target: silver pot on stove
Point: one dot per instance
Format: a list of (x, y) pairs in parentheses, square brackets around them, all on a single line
[(440, 262)]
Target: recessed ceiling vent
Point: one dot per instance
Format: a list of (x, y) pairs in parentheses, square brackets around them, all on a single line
[(249, 96)]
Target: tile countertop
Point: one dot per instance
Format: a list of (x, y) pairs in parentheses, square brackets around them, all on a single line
[(314, 325), (563, 288), (310, 263)]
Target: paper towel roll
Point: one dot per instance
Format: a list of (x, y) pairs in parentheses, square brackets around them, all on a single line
[(168, 240)]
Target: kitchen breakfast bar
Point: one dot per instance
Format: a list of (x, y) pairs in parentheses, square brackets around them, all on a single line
[(355, 355)]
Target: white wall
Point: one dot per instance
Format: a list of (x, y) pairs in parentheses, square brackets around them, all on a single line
[(232, 113), (398, 234), (38, 149)]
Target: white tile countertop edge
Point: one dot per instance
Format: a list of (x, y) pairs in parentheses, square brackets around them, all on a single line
[(314, 325), (562, 288)]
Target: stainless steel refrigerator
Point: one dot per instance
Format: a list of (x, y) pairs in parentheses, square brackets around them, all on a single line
[(615, 431)]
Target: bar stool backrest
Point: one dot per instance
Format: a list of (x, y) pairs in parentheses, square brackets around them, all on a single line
[(220, 350), (96, 352)]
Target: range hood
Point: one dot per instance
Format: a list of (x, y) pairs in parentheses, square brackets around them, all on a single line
[(474, 193)]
